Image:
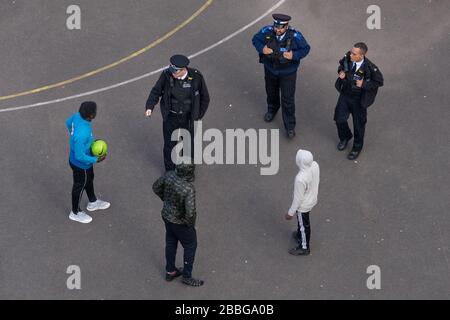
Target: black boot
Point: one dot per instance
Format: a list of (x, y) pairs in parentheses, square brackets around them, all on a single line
[(268, 117)]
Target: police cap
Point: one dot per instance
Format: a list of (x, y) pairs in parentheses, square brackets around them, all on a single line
[(179, 61), (281, 19)]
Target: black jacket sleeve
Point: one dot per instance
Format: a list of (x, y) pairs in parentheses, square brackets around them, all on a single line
[(341, 65), (189, 206), (204, 97), (341, 84), (376, 79), (156, 93), (158, 188)]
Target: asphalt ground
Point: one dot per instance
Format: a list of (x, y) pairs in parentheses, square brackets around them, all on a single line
[(390, 208)]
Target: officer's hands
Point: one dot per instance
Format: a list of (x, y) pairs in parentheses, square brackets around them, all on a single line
[(359, 83), (100, 159), (288, 217), (288, 55), (267, 50), (342, 75), (148, 113)]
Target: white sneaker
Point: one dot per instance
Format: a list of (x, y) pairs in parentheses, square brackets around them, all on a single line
[(80, 217), (98, 205)]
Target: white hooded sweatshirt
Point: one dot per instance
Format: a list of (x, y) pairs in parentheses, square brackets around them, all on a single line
[(306, 187)]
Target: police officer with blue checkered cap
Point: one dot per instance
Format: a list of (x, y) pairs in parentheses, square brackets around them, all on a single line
[(281, 48)]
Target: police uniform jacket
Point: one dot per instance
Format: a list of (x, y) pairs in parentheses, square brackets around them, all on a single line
[(373, 79), (298, 44), (162, 89)]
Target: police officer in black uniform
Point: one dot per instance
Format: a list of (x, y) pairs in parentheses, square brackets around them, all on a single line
[(358, 83), (184, 99), (281, 48)]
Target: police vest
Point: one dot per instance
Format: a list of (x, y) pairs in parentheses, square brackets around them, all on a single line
[(181, 95), (276, 59)]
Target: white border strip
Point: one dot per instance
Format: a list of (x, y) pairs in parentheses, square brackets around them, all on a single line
[(120, 84)]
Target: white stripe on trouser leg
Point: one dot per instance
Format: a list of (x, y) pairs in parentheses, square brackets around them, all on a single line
[(81, 192), (302, 229), (178, 140)]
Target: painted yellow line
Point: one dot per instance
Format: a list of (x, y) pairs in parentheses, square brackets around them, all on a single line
[(114, 64)]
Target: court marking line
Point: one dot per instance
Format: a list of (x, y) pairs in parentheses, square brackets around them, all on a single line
[(114, 64), (120, 84)]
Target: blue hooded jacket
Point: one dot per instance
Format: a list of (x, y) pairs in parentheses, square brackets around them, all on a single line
[(81, 139)]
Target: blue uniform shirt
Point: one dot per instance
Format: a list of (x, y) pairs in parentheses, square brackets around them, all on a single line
[(299, 46), (81, 139)]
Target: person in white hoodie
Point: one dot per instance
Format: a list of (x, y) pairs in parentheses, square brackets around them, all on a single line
[(306, 189)]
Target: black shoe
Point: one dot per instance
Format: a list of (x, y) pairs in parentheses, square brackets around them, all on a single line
[(353, 155), (268, 117), (178, 272), (299, 251), (342, 145), (193, 282), (290, 133)]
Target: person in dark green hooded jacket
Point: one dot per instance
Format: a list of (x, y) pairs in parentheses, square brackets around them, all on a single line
[(179, 214)]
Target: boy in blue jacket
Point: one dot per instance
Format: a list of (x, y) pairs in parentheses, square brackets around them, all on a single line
[(81, 161)]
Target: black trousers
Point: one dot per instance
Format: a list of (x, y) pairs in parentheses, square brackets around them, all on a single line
[(304, 230), (82, 180), (346, 105), (187, 236), (173, 123), (286, 85)]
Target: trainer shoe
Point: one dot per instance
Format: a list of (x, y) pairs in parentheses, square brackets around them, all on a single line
[(299, 251), (98, 205), (80, 217), (192, 282), (176, 274)]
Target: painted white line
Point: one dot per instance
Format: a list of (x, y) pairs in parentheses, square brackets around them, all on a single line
[(120, 84)]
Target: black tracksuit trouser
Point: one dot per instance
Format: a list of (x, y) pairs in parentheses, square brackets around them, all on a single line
[(304, 230), (82, 180), (187, 236)]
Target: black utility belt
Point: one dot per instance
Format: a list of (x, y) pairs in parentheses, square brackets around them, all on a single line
[(353, 90), (180, 113), (353, 95), (356, 92), (280, 65), (185, 102)]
